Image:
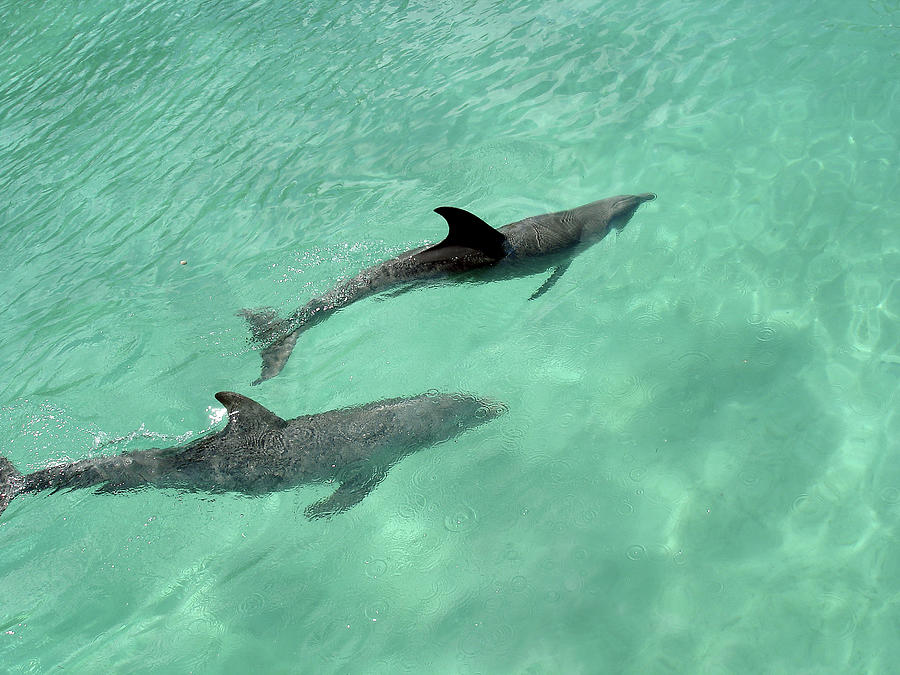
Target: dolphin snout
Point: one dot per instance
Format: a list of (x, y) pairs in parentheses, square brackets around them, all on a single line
[(489, 408), (625, 207), (631, 202)]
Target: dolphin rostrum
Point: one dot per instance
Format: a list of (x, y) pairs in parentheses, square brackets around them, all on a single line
[(521, 248), (258, 452)]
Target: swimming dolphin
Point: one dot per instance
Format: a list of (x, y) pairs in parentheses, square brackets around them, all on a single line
[(521, 248), (258, 452)]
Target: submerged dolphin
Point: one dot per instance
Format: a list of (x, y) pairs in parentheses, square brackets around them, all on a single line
[(521, 248), (258, 452)]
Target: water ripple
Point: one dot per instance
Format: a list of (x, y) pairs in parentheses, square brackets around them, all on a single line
[(462, 519)]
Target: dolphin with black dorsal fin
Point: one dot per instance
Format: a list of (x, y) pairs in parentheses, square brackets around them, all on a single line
[(525, 247), (258, 452)]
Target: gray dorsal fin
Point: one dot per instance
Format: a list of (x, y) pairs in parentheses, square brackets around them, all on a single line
[(246, 414), (469, 231)]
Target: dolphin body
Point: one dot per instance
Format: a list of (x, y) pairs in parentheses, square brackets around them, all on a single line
[(522, 248), (258, 452)]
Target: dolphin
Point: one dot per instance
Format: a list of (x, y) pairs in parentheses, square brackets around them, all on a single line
[(521, 248), (258, 452)]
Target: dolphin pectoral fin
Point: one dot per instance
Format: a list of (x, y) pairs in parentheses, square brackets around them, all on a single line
[(558, 271), (468, 231), (350, 493)]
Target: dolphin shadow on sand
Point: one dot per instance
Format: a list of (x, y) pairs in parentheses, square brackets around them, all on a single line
[(258, 452), (522, 248)]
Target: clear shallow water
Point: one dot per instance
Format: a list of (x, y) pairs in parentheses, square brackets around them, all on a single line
[(698, 469)]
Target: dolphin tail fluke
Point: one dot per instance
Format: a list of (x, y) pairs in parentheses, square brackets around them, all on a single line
[(261, 321), (265, 325), (10, 481), (275, 356)]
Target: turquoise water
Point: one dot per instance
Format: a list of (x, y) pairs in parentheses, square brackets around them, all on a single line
[(698, 470)]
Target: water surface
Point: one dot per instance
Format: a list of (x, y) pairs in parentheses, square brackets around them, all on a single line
[(698, 469)]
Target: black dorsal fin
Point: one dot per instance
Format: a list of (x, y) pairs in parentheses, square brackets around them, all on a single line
[(469, 231), (245, 414)]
